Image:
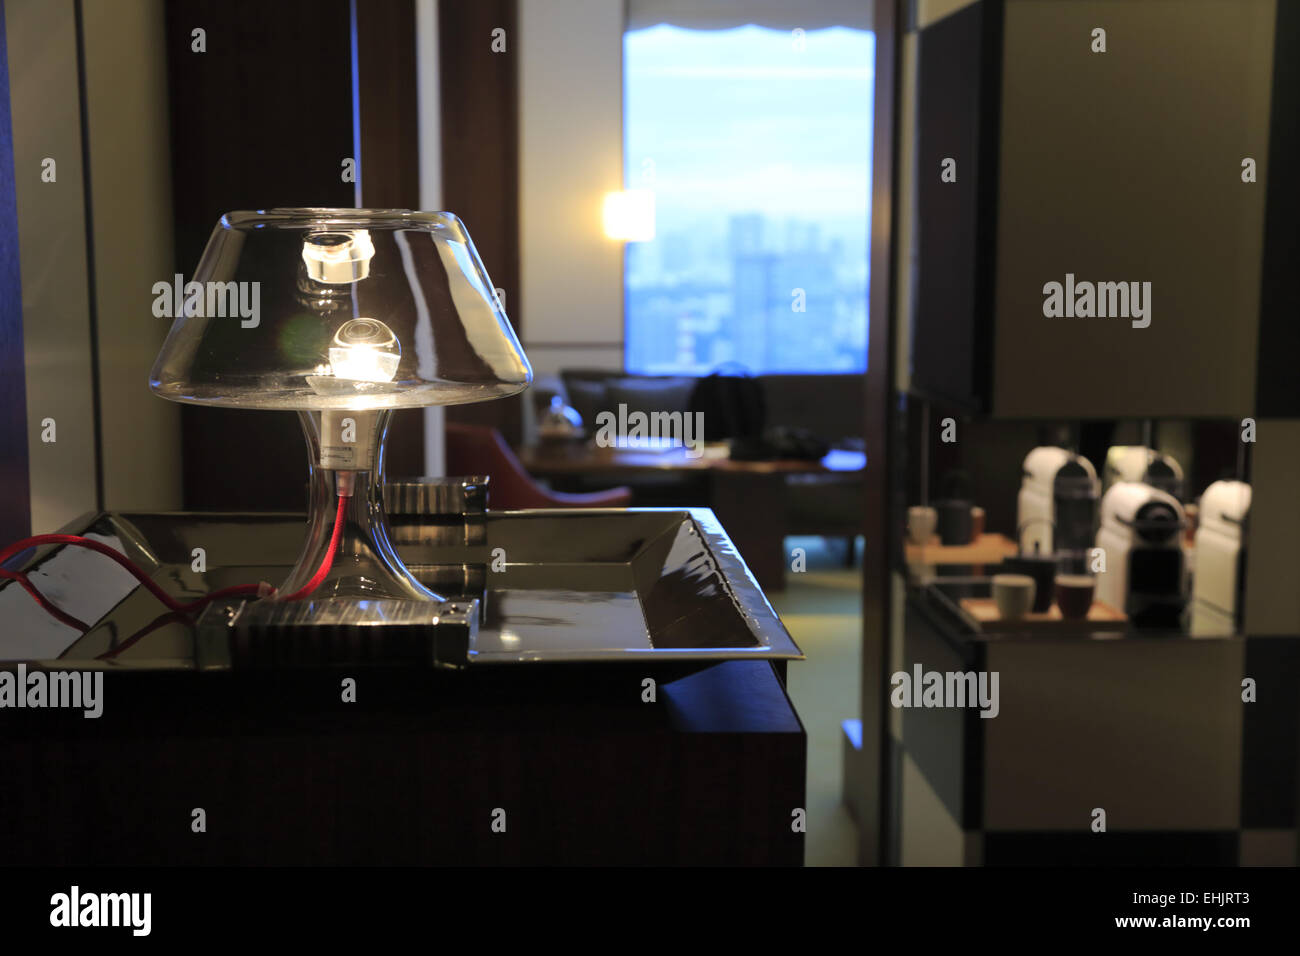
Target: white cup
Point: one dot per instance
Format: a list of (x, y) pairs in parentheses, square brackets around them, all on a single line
[(921, 522), (1013, 594)]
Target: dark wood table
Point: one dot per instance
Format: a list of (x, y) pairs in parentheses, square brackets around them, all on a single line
[(747, 496), (570, 761)]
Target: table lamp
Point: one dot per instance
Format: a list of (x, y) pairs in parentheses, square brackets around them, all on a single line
[(341, 315)]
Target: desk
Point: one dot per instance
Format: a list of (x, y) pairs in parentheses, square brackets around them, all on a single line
[(747, 496)]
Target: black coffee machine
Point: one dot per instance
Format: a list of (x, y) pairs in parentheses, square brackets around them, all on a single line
[(1141, 533)]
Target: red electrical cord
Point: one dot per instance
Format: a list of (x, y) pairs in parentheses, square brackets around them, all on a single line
[(44, 602), (328, 562), (125, 562), (261, 590)]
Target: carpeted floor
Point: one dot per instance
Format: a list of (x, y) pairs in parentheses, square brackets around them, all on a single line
[(822, 609)]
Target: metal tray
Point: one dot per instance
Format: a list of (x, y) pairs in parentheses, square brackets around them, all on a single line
[(594, 585)]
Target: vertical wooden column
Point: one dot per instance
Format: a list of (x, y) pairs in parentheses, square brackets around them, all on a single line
[(880, 399), (480, 157), (390, 158)]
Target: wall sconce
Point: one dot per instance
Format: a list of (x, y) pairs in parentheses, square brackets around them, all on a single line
[(630, 215)]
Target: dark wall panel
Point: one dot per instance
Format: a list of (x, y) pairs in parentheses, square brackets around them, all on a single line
[(15, 513), (1279, 331), (950, 312), (263, 118)]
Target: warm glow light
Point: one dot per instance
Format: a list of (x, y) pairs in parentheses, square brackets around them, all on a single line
[(365, 350), (630, 215), (361, 363)]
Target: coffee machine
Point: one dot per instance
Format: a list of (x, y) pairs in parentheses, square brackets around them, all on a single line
[(1140, 463), (1056, 510), (1218, 584), (1141, 535)]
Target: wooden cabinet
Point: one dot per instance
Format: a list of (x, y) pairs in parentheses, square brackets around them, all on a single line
[(1098, 254)]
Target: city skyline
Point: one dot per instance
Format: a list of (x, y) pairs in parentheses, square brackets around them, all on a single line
[(757, 147)]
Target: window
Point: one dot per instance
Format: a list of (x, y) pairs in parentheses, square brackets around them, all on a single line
[(756, 143)]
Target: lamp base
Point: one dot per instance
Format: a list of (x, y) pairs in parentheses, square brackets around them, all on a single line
[(350, 600), (334, 632), (348, 551)]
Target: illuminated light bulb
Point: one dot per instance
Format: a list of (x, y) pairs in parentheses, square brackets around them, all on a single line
[(630, 215), (335, 257), (364, 364), (366, 353), (365, 350)]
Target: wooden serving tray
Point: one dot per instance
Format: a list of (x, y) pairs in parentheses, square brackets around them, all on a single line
[(1101, 617), (986, 549)]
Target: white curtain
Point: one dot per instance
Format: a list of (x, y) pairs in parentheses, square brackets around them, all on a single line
[(725, 14)]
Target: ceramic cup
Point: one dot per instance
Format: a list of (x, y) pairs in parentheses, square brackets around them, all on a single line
[(1074, 595), (921, 522), (1013, 594)]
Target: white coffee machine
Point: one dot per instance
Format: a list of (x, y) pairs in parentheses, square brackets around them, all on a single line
[(1140, 463), (1058, 493), (1141, 532), (1217, 585)]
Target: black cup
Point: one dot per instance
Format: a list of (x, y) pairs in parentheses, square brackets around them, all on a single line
[(954, 521), (1074, 595)]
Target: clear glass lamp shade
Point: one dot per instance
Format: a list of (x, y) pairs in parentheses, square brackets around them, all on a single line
[(341, 315), (312, 309)]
